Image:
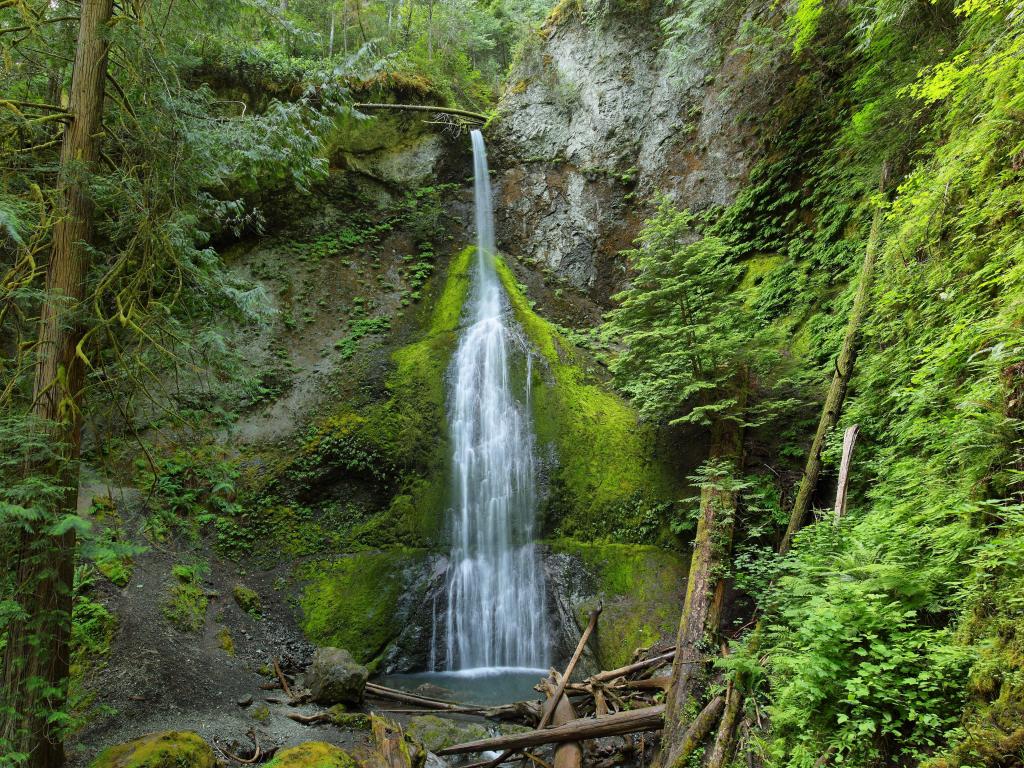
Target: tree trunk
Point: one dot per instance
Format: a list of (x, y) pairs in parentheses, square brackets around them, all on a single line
[(711, 545), (698, 731), (840, 381), (408, 24), (568, 754), (36, 657), (430, 29), (359, 19), (725, 739), (849, 440)]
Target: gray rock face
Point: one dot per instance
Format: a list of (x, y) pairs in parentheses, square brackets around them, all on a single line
[(598, 118), (335, 677)]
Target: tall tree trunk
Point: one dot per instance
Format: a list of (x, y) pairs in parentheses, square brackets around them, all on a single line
[(330, 38), (840, 381), (359, 19), (36, 657), (408, 24), (430, 29), (699, 622)]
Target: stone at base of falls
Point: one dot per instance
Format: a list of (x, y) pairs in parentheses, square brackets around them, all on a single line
[(335, 677), (641, 587), (313, 754), (439, 732), (167, 749)]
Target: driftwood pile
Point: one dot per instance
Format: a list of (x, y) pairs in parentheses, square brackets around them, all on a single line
[(614, 702)]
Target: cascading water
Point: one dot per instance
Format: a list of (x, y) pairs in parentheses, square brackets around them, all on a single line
[(495, 611)]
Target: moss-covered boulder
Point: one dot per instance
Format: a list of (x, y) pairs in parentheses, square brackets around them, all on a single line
[(168, 749), (335, 677), (247, 600), (353, 602), (642, 589), (313, 754), (438, 732)]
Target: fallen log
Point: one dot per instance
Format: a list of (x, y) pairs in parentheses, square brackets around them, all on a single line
[(425, 108), (725, 739), (849, 440), (552, 702), (696, 733), (282, 679), (557, 695), (631, 721), (636, 666), (517, 711)]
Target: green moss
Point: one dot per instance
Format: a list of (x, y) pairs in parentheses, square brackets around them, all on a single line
[(225, 641), (605, 457), (436, 732), (355, 721), (92, 630), (757, 268), (118, 569), (247, 600), (186, 605), (642, 590), (313, 754), (169, 749), (352, 602), (260, 713)]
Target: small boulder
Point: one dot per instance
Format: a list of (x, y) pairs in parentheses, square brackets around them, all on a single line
[(247, 600), (313, 754), (439, 732), (168, 749), (335, 678)]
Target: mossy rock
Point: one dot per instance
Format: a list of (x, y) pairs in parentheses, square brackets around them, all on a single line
[(436, 732), (313, 754), (352, 602), (247, 600), (642, 588), (355, 721), (169, 749)]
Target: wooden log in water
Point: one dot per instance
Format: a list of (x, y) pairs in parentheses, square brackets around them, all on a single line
[(519, 711)]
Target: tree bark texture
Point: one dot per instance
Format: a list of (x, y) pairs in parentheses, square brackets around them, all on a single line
[(698, 623), (37, 655)]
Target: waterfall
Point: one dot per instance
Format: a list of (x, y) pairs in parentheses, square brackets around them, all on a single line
[(495, 609)]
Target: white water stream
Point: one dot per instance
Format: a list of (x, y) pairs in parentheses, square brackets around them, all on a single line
[(495, 611)]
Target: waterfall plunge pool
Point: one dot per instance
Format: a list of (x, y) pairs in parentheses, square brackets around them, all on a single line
[(482, 686)]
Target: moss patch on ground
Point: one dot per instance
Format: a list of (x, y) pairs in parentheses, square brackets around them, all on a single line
[(247, 600), (642, 589), (313, 754), (168, 749), (352, 602), (186, 602), (606, 469)]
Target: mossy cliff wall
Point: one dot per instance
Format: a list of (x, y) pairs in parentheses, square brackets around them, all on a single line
[(604, 471), (601, 476)]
